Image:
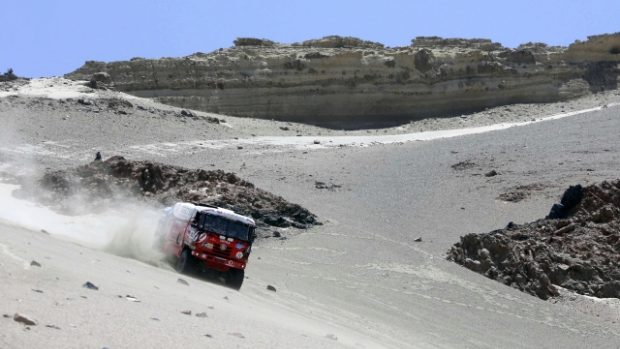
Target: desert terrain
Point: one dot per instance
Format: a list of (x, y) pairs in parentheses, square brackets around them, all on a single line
[(374, 274)]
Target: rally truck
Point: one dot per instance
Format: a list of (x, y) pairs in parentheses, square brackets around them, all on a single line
[(207, 239)]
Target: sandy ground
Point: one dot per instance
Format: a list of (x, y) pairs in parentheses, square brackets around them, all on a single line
[(360, 280)]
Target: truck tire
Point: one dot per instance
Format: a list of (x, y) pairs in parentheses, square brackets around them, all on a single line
[(234, 278), (185, 262)]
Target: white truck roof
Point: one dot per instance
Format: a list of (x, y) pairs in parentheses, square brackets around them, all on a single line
[(186, 211)]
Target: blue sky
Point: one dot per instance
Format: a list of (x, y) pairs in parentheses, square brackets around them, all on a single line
[(45, 38)]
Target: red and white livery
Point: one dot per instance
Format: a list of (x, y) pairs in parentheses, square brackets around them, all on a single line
[(207, 238)]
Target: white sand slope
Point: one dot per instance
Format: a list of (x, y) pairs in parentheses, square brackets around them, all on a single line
[(58, 88), (138, 305)]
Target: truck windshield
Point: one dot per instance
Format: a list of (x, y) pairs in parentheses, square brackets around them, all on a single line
[(226, 227)]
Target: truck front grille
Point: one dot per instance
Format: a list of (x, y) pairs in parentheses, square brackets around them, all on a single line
[(217, 251)]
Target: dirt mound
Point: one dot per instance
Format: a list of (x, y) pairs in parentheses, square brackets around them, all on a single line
[(117, 177), (577, 246)]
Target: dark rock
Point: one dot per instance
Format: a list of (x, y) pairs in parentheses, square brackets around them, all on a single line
[(558, 274), (583, 272), (601, 75), (565, 229), (605, 214), (118, 103), (187, 113), (463, 165), (254, 42), (474, 265), (9, 75), (93, 84), (315, 55), (202, 314), (186, 312), (513, 196), (271, 288), (89, 285), (557, 212), (491, 173), (609, 289), (101, 77), (337, 41), (522, 57), (300, 226), (132, 298), (182, 282), (418, 239), (276, 221), (424, 60), (575, 285), (323, 185), (24, 319), (572, 196), (35, 264)]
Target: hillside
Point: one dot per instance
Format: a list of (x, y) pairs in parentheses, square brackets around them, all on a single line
[(350, 83)]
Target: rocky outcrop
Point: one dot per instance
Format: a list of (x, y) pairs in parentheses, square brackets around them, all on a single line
[(8, 76), (577, 247), (597, 48), (100, 183), (349, 82)]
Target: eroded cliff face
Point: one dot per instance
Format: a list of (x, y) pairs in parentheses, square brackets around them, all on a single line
[(350, 83)]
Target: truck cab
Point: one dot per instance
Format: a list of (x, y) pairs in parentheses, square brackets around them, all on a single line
[(206, 238)]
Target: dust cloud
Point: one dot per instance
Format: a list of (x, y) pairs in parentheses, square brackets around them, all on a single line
[(124, 228)]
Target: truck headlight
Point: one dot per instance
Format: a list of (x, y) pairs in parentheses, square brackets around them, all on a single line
[(239, 255)]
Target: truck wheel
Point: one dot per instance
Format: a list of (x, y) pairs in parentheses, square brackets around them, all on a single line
[(185, 262), (234, 278)]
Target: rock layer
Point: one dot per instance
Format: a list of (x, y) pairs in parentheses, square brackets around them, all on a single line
[(577, 246), (351, 83)]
